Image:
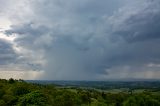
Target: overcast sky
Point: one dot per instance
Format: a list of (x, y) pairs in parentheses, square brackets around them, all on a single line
[(80, 39)]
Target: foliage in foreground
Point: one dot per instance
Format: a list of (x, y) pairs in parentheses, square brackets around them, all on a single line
[(20, 93)]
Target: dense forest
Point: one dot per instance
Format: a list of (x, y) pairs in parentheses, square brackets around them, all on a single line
[(21, 93)]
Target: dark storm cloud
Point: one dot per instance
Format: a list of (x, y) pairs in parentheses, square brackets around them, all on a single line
[(138, 31), (27, 29), (7, 54), (91, 39), (139, 24), (28, 33)]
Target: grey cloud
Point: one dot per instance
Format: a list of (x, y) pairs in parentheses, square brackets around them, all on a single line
[(10, 58), (140, 28), (28, 33), (139, 24), (27, 29), (76, 39), (7, 54)]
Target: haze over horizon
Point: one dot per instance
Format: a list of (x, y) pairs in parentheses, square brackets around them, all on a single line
[(80, 39)]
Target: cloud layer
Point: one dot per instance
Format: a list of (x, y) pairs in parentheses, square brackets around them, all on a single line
[(85, 40)]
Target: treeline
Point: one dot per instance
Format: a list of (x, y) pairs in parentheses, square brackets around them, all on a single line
[(20, 93)]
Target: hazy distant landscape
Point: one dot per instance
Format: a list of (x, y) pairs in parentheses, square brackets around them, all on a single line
[(103, 85)]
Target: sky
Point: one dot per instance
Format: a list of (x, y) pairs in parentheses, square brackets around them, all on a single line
[(80, 39)]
